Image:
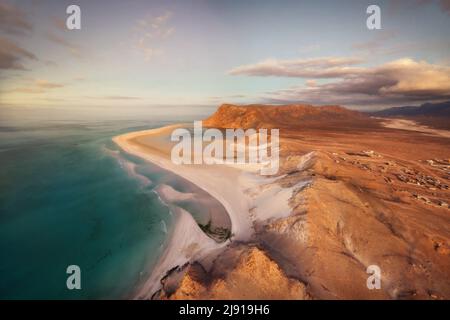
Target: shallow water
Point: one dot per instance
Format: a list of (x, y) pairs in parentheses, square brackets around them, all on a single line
[(68, 196)]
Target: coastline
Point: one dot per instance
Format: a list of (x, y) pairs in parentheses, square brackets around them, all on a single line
[(187, 242), (250, 200), (318, 220), (209, 178)]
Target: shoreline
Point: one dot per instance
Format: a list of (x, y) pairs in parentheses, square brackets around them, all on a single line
[(209, 178), (250, 200), (187, 242)]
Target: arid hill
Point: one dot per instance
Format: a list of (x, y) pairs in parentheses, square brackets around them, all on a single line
[(375, 196), (287, 116), (237, 265)]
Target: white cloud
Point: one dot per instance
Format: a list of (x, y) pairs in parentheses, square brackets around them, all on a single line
[(12, 56), (300, 68), (38, 86), (13, 20), (400, 81), (445, 5), (74, 49), (151, 32)]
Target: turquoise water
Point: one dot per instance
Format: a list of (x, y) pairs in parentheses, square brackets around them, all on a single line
[(68, 196)]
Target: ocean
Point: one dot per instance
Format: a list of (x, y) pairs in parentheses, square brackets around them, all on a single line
[(69, 196)]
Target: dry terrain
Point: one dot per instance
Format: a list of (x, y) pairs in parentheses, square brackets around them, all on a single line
[(375, 196)]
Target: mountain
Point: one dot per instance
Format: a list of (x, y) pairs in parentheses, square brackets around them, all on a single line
[(441, 109), (286, 116), (341, 201)]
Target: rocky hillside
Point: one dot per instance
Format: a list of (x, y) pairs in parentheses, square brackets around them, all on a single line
[(289, 116), (375, 197), (361, 208), (240, 272)]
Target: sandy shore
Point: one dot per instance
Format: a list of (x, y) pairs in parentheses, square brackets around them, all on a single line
[(187, 241), (210, 178), (247, 197)]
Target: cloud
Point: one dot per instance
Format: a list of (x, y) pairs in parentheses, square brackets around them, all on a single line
[(38, 86), (114, 97), (148, 52), (445, 6), (378, 41), (72, 48), (13, 20), (59, 23), (400, 81), (151, 32), (44, 84), (235, 98), (60, 37), (157, 28), (120, 98), (309, 48), (303, 68), (12, 56), (50, 63)]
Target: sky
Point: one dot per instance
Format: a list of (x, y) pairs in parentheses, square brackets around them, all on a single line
[(205, 53)]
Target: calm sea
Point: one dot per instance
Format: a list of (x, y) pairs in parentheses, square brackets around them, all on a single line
[(68, 196)]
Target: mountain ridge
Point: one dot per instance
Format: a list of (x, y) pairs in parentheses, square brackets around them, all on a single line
[(441, 109), (279, 116)]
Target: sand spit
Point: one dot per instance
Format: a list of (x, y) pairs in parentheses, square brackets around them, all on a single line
[(247, 197)]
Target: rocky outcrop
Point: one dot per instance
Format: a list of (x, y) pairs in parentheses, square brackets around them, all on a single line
[(268, 116), (241, 272), (374, 197), (345, 220)]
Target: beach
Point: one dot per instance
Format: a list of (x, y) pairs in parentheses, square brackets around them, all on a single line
[(247, 197), (316, 226), (188, 242), (209, 178)]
